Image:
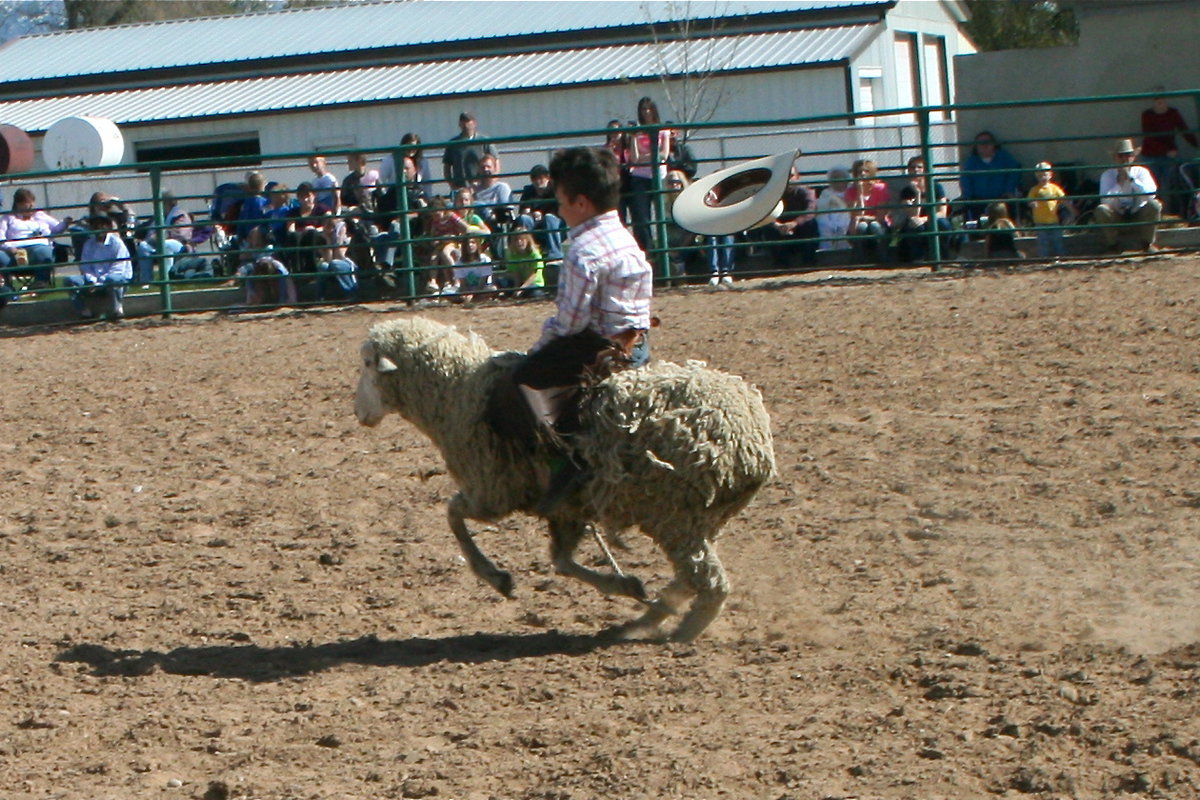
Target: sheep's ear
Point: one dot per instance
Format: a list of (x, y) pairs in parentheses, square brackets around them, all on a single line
[(386, 365)]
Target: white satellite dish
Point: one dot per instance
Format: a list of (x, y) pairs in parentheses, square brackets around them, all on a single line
[(75, 142)]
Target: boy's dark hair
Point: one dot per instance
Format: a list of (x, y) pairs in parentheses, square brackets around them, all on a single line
[(588, 171), (304, 187), (908, 193)]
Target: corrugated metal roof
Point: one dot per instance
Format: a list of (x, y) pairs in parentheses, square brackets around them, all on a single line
[(346, 28), (441, 79)]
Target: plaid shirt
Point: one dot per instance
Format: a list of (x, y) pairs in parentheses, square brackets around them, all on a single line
[(605, 282)]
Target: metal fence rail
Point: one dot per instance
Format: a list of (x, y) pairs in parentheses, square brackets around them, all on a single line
[(677, 257)]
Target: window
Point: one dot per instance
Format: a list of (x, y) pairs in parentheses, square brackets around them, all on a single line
[(869, 79), (908, 75), (245, 146), (937, 89)]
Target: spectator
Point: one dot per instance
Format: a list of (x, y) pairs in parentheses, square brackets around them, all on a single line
[(833, 216), (795, 231), (252, 226), (324, 183), (473, 274), (493, 202), (280, 203), (642, 171), (681, 243), (1000, 233), (1046, 208), (523, 266), (304, 233), (539, 213), (25, 238), (446, 229), (989, 173), (267, 281), (388, 241), (682, 158), (464, 205), (357, 164), (463, 157), (916, 221), (868, 200), (334, 268), (618, 144), (410, 148), (1127, 196), (104, 269), (177, 239), (1160, 151)]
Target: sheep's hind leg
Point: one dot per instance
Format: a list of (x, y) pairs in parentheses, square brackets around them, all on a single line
[(668, 603), (480, 564), (564, 539), (701, 570)]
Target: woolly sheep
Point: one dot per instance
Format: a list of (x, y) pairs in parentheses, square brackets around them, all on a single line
[(675, 450)]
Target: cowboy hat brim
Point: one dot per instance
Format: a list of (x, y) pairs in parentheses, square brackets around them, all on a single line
[(735, 199)]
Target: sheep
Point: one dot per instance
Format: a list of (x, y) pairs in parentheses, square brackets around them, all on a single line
[(675, 450)]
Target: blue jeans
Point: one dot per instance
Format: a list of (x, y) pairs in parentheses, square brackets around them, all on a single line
[(548, 231), (720, 254), (339, 271), (113, 286), (146, 261), (1050, 242), (41, 256)]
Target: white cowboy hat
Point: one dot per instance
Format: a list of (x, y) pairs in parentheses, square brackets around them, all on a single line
[(736, 198)]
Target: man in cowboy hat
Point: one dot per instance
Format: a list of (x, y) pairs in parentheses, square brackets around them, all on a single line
[(1127, 196)]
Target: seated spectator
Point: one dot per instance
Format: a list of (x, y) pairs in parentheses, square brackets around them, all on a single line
[(795, 232), (304, 233), (391, 236), (919, 216), (833, 218), (25, 239), (252, 228), (1000, 233), (538, 208), (473, 273), (335, 269), (523, 271), (868, 200), (325, 184), (447, 230), (1127, 196), (279, 203), (267, 282), (104, 269), (176, 240), (357, 164), (493, 202), (1047, 208), (102, 203), (464, 205), (990, 173)]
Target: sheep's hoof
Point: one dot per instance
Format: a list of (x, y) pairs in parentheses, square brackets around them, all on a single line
[(503, 583), (632, 585)]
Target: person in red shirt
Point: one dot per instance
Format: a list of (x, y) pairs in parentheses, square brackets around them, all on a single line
[(1160, 151)]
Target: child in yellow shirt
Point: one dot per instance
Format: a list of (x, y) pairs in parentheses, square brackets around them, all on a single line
[(1046, 197)]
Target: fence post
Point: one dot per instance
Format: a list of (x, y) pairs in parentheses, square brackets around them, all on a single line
[(660, 209), (160, 250), (406, 249), (929, 201)]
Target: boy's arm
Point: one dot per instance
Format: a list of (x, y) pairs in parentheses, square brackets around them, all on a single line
[(576, 290)]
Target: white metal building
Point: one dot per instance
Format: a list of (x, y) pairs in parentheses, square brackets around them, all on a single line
[(358, 76)]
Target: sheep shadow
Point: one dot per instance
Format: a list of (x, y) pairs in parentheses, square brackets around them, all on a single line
[(263, 664)]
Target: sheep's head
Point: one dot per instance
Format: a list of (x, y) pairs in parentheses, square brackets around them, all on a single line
[(369, 404)]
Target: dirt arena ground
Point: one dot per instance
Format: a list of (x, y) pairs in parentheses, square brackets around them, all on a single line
[(976, 575)]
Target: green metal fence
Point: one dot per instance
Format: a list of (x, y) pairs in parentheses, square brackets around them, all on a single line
[(959, 244)]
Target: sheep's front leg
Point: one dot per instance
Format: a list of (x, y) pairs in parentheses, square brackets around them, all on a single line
[(564, 539), (480, 564)]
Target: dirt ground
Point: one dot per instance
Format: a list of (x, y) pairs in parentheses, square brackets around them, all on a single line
[(977, 573)]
